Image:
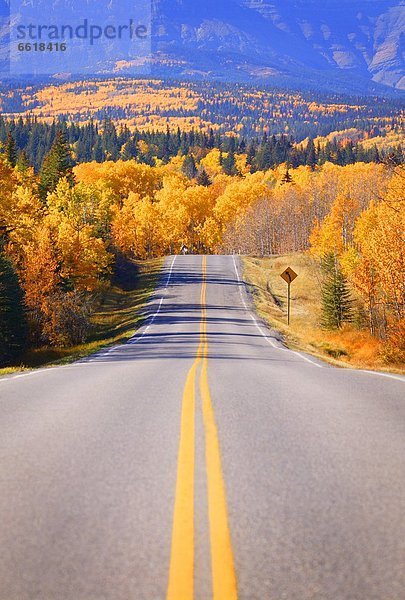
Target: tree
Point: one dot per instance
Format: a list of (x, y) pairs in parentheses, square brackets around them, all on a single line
[(11, 151), (13, 326), (189, 167), (57, 164), (335, 295), (286, 178), (203, 178), (379, 243), (229, 164), (311, 154), (22, 162)]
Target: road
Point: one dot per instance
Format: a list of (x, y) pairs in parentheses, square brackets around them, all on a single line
[(202, 460)]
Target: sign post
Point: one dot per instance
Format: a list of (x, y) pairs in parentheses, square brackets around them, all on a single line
[(289, 275)]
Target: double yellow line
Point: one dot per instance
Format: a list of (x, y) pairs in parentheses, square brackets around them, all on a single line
[(181, 574)]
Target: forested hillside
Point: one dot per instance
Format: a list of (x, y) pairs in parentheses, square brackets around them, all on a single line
[(226, 108), (62, 230), (30, 140)]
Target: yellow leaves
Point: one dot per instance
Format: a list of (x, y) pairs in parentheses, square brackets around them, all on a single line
[(84, 258), (26, 213), (379, 234), (136, 227), (346, 191), (350, 262), (81, 205), (211, 162), (8, 182), (238, 196), (370, 244), (78, 217), (39, 268), (121, 177)]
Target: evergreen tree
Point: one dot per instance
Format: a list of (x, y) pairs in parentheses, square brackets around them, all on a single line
[(22, 162), (311, 154), (335, 295), (57, 164), (203, 178), (11, 151), (264, 156), (229, 164), (98, 152), (129, 150), (189, 167), (13, 326), (251, 153), (287, 178)]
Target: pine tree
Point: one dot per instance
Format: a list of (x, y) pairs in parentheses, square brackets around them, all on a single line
[(129, 150), (264, 156), (229, 164), (57, 164), (189, 167), (286, 178), (11, 151), (203, 178), (98, 152), (311, 157), (335, 295), (22, 162), (13, 327)]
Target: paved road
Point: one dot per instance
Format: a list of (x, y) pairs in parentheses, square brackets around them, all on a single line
[(202, 460)]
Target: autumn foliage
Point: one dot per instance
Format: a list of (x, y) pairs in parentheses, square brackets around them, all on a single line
[(64, 247)]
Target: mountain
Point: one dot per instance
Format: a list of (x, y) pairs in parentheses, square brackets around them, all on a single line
[(345, 43), (353, 46)]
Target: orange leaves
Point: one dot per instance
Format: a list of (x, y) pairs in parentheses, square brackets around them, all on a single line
[(379, 235), (63, 249), (84, 257), (8, 182), (370, 243), (39, 270)]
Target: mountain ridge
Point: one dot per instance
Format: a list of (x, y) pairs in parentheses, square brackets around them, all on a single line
[(345, 46), (289, 39)]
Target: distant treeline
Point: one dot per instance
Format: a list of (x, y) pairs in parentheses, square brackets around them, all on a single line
[(33, 140), (228, 107)]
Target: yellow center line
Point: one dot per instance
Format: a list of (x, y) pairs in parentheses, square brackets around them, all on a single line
[(181, 572), (222, 561)]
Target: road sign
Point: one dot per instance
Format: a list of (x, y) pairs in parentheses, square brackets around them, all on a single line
[(289, 275)]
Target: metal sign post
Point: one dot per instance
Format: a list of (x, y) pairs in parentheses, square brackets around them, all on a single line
[(289, 275)]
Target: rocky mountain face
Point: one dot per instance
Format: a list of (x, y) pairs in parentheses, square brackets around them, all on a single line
[(347, 43), (352, 46)]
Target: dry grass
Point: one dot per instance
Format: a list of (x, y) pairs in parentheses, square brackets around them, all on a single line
[(116, 319), (349, 347)]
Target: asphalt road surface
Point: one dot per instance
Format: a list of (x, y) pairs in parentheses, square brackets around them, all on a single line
[(202, 460)]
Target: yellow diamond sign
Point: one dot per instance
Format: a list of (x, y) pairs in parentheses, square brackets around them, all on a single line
[(289, 275)]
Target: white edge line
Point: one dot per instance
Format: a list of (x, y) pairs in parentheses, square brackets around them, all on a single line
[(137, 337), (396, 377), (270, 341), (266, 337), (132, 340)]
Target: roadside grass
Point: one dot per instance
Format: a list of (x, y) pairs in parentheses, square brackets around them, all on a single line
[(351, 346), (115, 320)]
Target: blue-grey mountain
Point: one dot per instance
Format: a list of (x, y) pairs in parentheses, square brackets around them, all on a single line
[(343, 43)]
